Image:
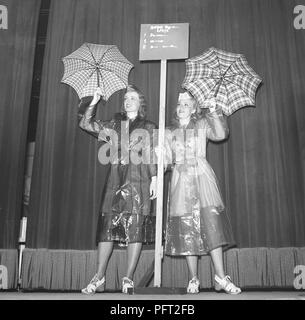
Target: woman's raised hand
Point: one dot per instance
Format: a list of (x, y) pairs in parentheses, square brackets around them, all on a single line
[(210, 103), (96, 96)]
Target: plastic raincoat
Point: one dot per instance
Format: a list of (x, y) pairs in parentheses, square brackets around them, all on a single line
[(197, 222), (126, 213)]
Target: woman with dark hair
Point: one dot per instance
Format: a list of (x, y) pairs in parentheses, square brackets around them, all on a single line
[(197, 222), (125, 214)]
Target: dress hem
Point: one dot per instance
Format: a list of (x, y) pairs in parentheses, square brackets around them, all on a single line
[(225, 246)]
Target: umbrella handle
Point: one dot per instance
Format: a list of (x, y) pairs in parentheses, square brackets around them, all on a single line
[(222, 77), (98, 78)]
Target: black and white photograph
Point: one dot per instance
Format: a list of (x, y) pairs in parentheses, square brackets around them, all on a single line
[(152, 154)]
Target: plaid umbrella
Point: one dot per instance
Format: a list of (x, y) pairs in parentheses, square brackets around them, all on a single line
[(224, 75), (94, 65)]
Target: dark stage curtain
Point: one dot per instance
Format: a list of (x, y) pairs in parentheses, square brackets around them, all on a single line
[(17, 47), (260, 167)]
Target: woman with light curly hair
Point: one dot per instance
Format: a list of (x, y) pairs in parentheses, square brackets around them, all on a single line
[(197, 222)]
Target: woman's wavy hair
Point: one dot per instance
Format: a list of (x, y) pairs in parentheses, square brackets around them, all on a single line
[(143, 103), (198, 114)]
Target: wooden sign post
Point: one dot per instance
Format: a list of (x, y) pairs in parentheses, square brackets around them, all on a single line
[(162, 42)]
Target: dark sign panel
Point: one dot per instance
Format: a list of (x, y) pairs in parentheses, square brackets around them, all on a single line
[(164, 41)]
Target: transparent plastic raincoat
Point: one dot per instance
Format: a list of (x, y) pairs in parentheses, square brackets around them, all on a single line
[(126, 214), (197, 222)]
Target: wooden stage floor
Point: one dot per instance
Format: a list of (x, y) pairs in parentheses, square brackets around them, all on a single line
[(204, 295)]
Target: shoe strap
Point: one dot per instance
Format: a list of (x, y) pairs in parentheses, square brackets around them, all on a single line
[(94, 281), (127, 280), (194, 280), (226, 283)]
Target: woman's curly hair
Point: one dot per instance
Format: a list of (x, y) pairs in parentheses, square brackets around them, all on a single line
[(198, 114)]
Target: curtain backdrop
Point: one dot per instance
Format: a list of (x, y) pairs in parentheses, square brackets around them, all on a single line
[(17, 47), (260, 167), (73, 269)]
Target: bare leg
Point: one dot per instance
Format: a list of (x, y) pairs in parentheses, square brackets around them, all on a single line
[(103, 254), (192, 263), (223, 283), (133, 254), (217, 259)]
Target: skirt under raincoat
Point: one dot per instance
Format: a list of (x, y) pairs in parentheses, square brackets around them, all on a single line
[(197, 221), (127, 213)]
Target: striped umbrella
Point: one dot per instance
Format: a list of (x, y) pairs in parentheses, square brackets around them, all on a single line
[(94, 65), (224, 75)]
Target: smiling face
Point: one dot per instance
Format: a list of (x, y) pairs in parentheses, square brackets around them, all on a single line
[(131, 102), (185, 106)]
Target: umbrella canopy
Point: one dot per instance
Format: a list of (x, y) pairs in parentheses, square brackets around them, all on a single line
[(94, 65), (224, 75)]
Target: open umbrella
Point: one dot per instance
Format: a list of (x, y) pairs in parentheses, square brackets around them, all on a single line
[(94, 65), (224, 75)]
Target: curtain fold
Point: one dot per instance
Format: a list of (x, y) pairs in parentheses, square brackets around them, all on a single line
[(17, 47), (260, 167), (9, 261), (73, 269)]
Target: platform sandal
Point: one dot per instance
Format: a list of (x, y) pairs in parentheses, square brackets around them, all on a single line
[(126, 284), (193, 286), (95, 285), (226, 285)]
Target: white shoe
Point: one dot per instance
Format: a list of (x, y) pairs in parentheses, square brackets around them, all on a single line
[(95, 285), (193, 286), (126, 284), (226, 284)]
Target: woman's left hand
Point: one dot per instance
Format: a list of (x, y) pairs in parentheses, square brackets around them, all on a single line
[(210, 103), (153, 188)]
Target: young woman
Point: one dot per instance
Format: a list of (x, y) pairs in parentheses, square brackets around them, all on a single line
[(125, 214), (197, 223)]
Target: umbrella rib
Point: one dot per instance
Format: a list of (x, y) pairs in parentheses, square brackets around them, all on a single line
[(91, 76), (240, 72), (243, 74), (234, 109), (115, 75), (229, 65), (221, 80), (231, 76), (78, 70), (116, 60), (100, 60), (208, 66), (81, 59), (239, 89), (91, 54), (101, 82), (218, 61), (110, 71), (123, 61), (220, 65)]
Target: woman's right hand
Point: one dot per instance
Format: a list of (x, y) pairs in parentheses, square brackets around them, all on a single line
[(160, 151), (96, 96)]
